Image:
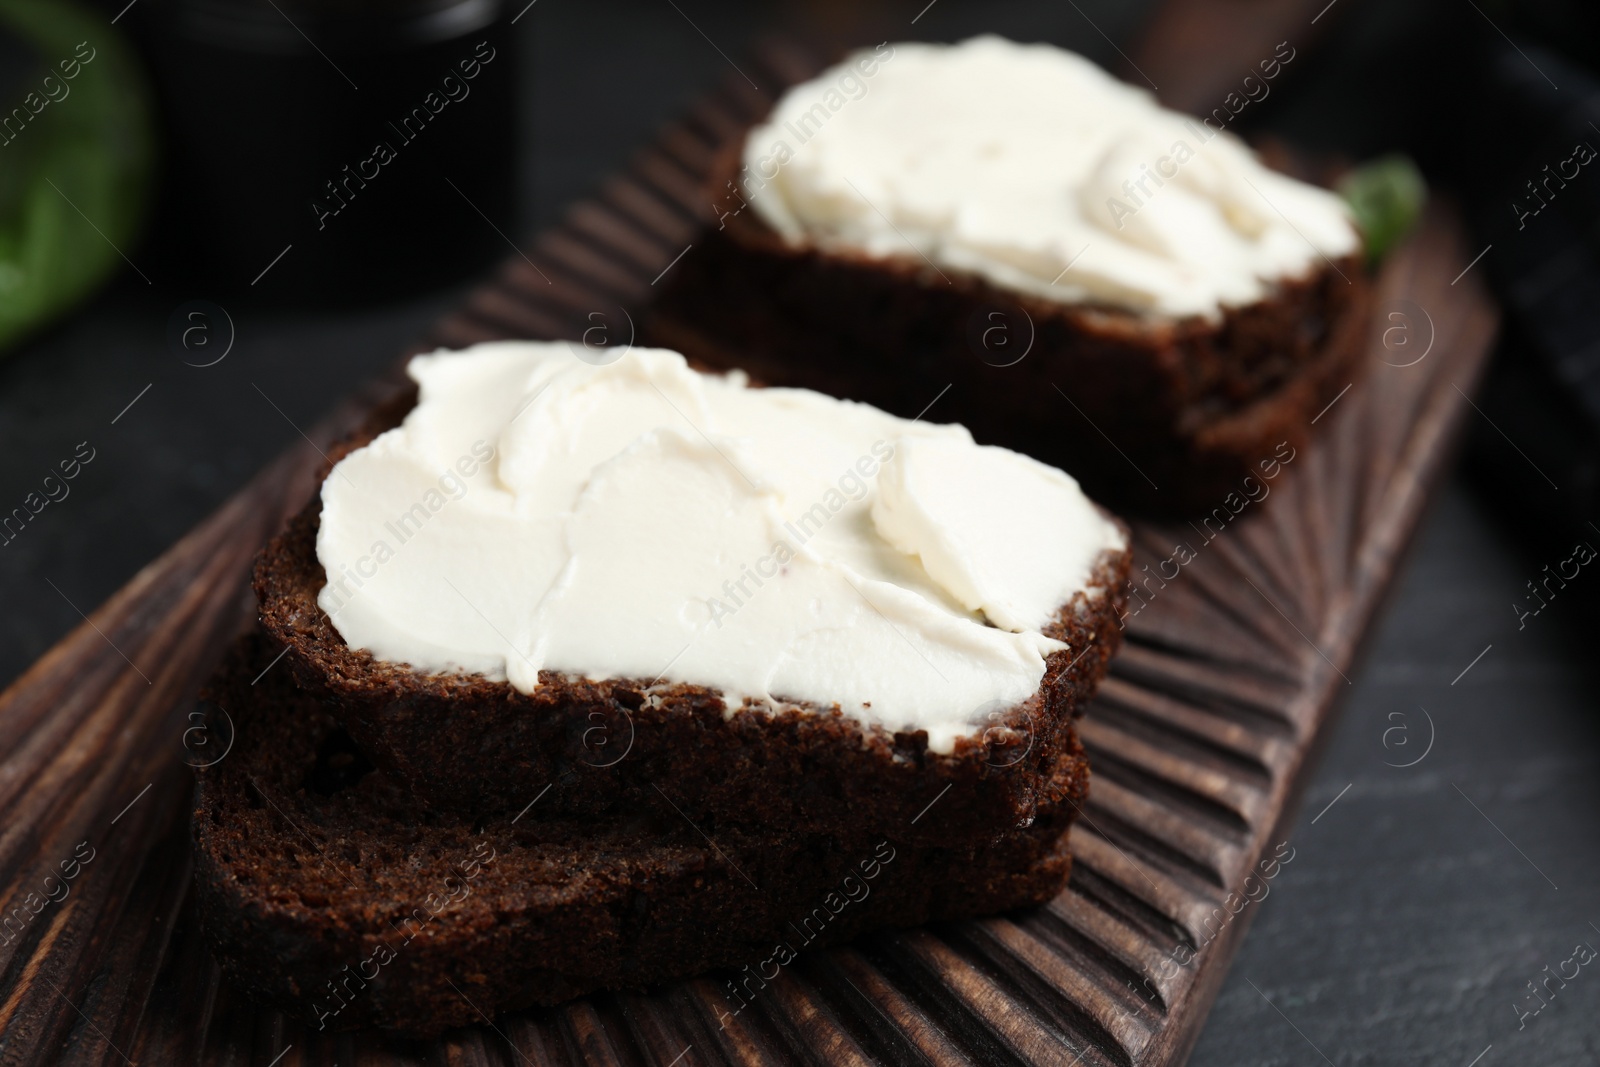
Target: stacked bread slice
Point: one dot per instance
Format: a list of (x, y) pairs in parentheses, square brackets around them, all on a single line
[(328, 889), (401, 843)]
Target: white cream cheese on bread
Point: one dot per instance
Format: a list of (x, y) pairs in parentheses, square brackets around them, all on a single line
[(1017, 162), (642, 520)]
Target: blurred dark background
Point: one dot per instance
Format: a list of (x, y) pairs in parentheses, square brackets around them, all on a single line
[(1407, 927)]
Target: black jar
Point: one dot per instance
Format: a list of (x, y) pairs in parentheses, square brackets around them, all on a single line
[(331, 151)]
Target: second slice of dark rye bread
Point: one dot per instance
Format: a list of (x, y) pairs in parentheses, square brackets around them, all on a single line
[(1159, 415), (324, 888), (469, 744)]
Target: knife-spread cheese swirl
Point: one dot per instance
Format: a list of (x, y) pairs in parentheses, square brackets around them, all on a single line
[(535, 512), (1031, 167)]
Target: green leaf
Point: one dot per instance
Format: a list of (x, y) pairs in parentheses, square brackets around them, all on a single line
[(75, 173), (1386, 195)]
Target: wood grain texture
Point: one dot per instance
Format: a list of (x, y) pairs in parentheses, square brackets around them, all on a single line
[(1198, 741)]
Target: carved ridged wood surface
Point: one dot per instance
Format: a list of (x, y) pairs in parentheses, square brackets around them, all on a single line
[(1199, 739)]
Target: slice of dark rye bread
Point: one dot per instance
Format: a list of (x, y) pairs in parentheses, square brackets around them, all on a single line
[(323, 887), (1162, 416), (469, 744)]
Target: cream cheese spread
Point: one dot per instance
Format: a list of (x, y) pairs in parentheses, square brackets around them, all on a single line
[(642, 520), (1031, 167)]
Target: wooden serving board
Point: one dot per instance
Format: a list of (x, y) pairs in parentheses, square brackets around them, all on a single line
[(1199, 740)]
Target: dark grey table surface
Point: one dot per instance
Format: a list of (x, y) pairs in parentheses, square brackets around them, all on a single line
[(1422, 900)]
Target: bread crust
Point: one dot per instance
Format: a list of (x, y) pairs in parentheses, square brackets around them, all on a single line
[(323, 886), (1172, 414), (465, 743)]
